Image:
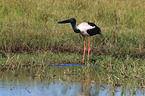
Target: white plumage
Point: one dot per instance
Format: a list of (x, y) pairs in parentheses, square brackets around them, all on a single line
[(83, 27)]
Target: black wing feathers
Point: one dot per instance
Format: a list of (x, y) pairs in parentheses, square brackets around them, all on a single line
[(93, 31)]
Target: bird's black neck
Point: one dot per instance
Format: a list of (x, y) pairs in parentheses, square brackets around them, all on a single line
[(74, 28)]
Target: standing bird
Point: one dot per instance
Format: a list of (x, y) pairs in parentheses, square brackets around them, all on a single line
[(86, 29)]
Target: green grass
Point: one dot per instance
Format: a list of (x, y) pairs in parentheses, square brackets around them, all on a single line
[(38, 58), (30, 35), (32, 25)]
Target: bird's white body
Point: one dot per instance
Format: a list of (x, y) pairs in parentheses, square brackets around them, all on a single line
[(83, 27)]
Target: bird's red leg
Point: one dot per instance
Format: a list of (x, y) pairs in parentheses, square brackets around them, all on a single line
[(88, 48), (84, 49)]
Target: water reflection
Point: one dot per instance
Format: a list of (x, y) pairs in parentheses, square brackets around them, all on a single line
[(66, 82)]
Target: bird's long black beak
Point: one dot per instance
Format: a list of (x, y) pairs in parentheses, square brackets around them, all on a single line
[(65, 21)]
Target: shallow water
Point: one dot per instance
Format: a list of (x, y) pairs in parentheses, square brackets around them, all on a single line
[(59, 81)]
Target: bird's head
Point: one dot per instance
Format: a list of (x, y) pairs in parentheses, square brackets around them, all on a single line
[(71, 20)]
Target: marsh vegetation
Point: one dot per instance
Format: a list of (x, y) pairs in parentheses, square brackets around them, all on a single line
[(30, 37)]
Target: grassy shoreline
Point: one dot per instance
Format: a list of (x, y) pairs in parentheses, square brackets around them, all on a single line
[(30, 35), (114, 71)]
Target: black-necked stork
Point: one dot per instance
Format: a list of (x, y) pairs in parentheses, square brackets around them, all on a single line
[(86, 29)]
